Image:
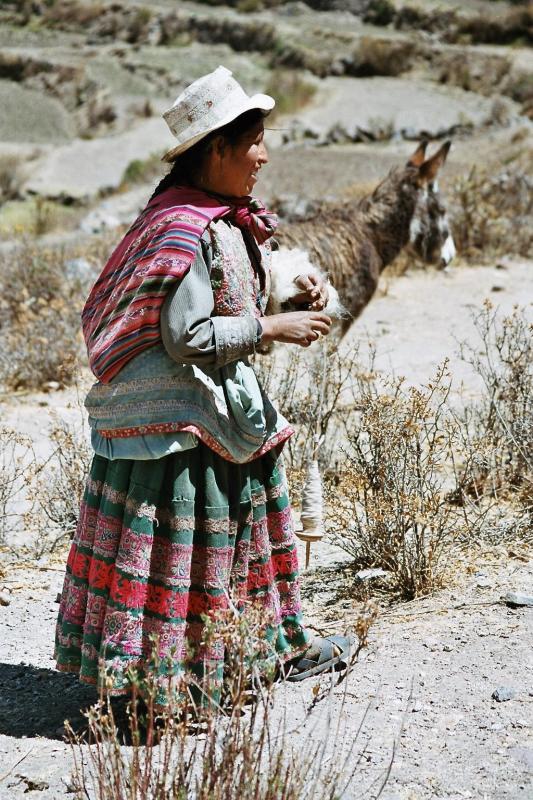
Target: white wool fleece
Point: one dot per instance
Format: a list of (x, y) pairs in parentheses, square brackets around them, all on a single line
[(287, 265)]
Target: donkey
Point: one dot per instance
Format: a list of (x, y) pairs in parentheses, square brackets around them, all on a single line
[(353, 242)]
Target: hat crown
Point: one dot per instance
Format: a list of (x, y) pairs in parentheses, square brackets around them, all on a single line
[(207, 105), (207, 99)]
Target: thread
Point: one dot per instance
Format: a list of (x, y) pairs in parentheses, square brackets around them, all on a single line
[(312, 503)]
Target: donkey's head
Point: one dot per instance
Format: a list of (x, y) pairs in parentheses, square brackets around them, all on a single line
[(429, 233)]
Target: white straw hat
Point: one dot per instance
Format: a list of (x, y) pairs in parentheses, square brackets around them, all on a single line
[(206, 105)]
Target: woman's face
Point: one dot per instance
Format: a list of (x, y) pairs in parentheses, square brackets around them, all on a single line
[(232, 168)]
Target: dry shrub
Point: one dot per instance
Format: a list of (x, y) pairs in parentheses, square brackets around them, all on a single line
[(246, 35), (57, 487), (234, 747), (16, 460), (512, 26), (389, 505), (388, 455), (41, 497), (314, 391), (246, 6), (382, 57), (11, 177), (292, 55), (70, 13), (498, 429), (473, 71), (491, 213), (454, 26), (40, 307), (291, 90), (379, 12), (147, 170)]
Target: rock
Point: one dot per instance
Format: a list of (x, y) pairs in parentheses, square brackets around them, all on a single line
[(99, 220), (4, 600), (503, 693), (58, 598), (370, 574), (517, 600), (34, 784)]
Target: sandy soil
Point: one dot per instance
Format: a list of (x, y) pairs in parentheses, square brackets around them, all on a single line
[(431, 667)]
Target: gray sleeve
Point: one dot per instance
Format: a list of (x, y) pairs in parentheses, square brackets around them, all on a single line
[(191, 335)]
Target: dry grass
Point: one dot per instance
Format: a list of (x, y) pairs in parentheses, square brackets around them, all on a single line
[(11, 177), (291, 90), (498, 429), (40, 497), (40, 305), (17, 458), (148, 170), (236, 746), (57, 485), (490, 213), (375, 56), (511, 26), (388, 505), (410, 480), (72, 13)]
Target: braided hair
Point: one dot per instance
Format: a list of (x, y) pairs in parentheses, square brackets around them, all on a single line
[(186, 166)]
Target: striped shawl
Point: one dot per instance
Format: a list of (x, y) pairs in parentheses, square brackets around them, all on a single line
[(121, 316)]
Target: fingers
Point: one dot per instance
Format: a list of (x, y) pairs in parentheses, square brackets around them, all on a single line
[(319, 316), (320, 329), (306, 282), (312, 288)]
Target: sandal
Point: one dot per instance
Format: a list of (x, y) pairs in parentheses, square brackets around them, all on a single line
[(334, 652)]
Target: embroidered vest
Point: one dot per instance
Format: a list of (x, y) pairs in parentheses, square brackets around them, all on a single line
[(240, 275)]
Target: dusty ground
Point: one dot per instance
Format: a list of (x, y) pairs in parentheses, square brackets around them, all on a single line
[(431, 666), (427, 677)]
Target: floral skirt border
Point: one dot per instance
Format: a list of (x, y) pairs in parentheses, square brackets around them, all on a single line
[(163, 547)]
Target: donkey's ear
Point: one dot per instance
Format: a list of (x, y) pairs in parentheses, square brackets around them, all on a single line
[(428, 170), (417, 159)]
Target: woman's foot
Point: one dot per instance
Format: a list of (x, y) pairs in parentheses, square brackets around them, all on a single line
[(332, 652)]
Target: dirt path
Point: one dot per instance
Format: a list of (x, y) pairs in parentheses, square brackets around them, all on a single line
[(431, 667)]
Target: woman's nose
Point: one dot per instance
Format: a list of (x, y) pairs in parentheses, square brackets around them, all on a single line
[(263, 154)]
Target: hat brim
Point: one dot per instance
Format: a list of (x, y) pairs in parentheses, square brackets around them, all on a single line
[(261, 101)]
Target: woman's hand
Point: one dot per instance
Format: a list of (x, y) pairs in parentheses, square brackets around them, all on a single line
[(314, 292), (295, 327)]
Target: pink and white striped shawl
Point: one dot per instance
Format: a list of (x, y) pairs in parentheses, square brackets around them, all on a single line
[(121, 315)]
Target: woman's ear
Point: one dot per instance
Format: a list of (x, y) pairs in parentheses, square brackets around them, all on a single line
[(217, 146)]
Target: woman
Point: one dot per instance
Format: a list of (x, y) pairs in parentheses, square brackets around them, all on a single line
[(186, 504)]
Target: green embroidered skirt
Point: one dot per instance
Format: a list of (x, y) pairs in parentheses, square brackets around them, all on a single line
[(160, 546)]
